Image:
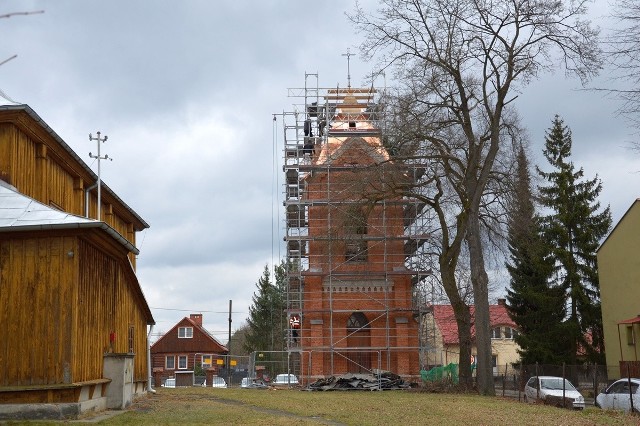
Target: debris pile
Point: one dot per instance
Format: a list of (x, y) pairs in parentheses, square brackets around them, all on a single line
[(377, 381)]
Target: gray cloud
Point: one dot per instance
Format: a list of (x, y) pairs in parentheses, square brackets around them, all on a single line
[(186, 92)]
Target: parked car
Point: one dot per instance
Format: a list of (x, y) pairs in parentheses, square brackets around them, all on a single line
[(169, 383), (217, 382), (618, 396), (248, 383), (545, 388), (285, 380)]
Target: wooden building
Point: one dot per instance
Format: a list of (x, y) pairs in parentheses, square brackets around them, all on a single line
[(69, 295), (39, 164), (183, 347)]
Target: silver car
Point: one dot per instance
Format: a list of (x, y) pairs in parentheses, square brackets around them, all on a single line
[(546, 388), (618, 396), (248, 383), (285, 380)]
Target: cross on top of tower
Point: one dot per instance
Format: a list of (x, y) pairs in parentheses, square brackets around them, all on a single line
[(348, 55)]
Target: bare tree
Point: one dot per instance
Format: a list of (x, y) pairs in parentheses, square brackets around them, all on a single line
[(4, 61), (9, 15), (459, 62), (438, 183), (623, 47)]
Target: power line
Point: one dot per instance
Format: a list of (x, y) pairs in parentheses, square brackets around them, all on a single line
[(197, 310)]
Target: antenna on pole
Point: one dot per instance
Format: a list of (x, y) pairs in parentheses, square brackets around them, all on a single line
[(98, 157), (348, 55)]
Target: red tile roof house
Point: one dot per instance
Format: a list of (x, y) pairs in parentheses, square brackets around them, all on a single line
[(183, 347), (440, 337)]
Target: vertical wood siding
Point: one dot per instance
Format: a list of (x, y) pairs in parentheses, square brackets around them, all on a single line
[(48, 180), (18, 157), (106, 304), (56, 311), (60, 188), (35, 310)]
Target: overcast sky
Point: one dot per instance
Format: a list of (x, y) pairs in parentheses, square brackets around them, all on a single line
[(186, 92)]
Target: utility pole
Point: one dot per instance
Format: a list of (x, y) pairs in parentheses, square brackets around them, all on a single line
[(229, 348), (98, 157)]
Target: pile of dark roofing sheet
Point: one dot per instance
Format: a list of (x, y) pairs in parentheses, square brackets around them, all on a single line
[(378, 381)]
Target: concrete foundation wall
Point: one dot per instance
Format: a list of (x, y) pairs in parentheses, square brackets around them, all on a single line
[(68, 411)]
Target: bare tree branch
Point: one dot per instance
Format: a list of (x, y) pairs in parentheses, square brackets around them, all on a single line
[(9, 15), (457, 63)]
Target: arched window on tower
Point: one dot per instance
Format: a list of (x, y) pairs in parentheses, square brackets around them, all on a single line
[(355, 229), (357, 322)]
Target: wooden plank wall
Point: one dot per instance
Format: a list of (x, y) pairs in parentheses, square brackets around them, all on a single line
[(35, 310), (36, 171), (19, 154), (59, 190), (106, 303), (55, 320)]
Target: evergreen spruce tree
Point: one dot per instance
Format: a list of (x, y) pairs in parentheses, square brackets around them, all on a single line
[(537, 308), (267, 321), (573, 229)]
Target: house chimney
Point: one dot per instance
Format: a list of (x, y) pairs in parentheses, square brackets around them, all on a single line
[(502, 302), (197, 318)]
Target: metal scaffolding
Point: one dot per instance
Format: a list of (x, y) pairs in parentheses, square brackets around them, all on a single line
[(350, 237)]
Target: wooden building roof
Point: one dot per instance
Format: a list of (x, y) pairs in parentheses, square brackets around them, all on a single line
[(21, 213), (31, 123)]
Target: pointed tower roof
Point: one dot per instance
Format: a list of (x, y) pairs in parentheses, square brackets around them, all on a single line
[(352, 129)]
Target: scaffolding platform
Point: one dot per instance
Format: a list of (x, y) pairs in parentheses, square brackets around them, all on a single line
[(350, 236)]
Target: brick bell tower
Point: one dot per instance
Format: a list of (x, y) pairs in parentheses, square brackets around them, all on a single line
[(350, 293)]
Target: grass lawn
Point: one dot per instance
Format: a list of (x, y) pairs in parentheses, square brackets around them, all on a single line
[(286, 407)]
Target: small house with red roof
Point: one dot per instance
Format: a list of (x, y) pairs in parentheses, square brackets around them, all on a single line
[(440, 336), (187, 345)]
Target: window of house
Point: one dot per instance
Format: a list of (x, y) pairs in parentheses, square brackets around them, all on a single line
[(496, 333), (630, 337), (185, 332), (182, 362), (170, 362), (510, 333), (207, 361), (494, 361), (131, 338)]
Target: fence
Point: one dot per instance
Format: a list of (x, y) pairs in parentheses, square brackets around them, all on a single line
[(590, 379), (232, 368)]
